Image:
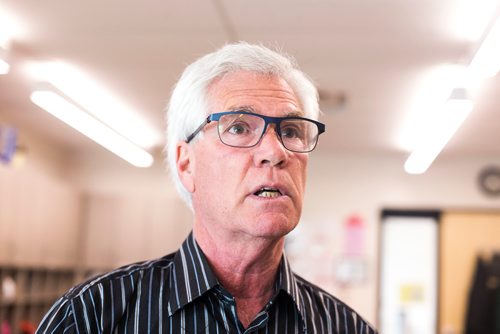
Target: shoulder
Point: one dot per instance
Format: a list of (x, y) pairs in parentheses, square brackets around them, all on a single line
[(128, 277), (337, 314), (93, 303)]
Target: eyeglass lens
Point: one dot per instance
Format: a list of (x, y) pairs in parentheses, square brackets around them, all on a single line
[(245, 130)]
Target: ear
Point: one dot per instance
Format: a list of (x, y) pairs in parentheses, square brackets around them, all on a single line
[(184, 157)]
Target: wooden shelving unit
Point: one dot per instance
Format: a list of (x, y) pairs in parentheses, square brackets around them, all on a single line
[(27, 293)]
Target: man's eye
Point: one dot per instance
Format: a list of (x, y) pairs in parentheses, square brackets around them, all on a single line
[(237, 129), (292, 132)]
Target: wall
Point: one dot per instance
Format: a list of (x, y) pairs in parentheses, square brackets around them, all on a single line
[(39, 208), (131, 214), (126, 229)]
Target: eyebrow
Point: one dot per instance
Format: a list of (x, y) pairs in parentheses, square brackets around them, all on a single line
[(298, 113), (243, 108)]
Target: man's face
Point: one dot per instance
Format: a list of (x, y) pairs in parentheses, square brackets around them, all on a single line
[(227, 180)]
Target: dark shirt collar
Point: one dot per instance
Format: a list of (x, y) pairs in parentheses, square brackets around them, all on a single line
[(192, 277), (287, 282)]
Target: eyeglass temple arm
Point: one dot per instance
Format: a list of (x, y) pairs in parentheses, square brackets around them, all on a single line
[(202, 125), (321, 128)]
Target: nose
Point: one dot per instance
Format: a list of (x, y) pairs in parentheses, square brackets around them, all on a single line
[(270, 150)]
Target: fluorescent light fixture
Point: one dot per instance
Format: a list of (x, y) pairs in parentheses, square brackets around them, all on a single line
[(4, 67), (9, 28), (4, 45), (453, 114), (96, 100), (469, 18), (486, 62), (91, 127), (433, 88), (4, 40)]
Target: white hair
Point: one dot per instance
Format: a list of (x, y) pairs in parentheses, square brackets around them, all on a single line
[(188, 106)]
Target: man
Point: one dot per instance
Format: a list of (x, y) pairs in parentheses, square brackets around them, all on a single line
[(241, 123)]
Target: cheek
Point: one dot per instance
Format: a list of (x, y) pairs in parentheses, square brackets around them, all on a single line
[(208, 177), (220, 171), (301, 172)]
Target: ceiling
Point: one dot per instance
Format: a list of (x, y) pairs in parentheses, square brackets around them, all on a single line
[(370, 59)]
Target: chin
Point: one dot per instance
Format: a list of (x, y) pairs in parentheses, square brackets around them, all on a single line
[(275, 227)]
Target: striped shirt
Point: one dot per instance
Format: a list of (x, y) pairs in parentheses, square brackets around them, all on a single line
[(179, 293)]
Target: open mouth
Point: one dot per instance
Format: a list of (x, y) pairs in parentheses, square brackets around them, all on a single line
[(268, 192)]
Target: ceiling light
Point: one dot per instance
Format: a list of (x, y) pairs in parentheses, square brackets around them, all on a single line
[(96, 100), (468, 19), (447, 122), (4, 67), (4, 41), (434, 87), (4, 64), (91, 127), (9, 28), (486, 62)]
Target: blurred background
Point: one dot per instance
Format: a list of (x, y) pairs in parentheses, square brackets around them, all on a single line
[(402, 210)]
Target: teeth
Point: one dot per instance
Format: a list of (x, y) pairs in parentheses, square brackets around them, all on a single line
[(268, 193)]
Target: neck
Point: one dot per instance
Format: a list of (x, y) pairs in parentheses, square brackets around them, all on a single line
[(247, 269)]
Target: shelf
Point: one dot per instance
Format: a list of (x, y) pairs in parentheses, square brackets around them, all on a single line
[(28, 292)]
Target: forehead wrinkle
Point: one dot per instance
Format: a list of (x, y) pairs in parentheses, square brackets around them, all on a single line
[(228, 90), (296, 113), (227, 98), (263, 92)]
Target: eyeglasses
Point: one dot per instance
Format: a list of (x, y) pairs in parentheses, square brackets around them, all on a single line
[(245, 129)]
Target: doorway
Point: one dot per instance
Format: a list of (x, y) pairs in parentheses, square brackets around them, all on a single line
[(408, 272), (428, 266)]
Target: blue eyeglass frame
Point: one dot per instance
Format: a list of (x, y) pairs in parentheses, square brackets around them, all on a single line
[(267, 120)]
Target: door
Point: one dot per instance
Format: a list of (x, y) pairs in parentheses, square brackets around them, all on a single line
[(464, 237)]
